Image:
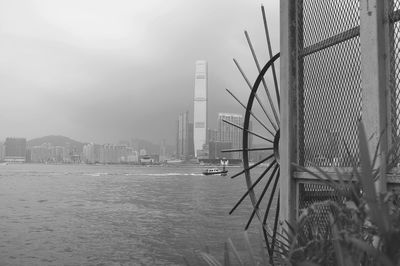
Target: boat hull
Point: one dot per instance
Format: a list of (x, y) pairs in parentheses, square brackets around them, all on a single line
[(222, 173)]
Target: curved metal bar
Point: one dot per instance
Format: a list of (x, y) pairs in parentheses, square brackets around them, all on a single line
[(263, 80), (269, 204), (276, 145), (247, 122), (276, 223), (257, 98)]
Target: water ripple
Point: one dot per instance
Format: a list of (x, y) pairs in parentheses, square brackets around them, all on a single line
[(113, 215)]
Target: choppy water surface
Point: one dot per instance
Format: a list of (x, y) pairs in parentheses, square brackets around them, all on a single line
[(114, 215)]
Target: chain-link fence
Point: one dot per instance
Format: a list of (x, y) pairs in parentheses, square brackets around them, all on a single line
[(329, 81), (394, 32)]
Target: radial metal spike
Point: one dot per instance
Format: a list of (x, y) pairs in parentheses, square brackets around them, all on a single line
[(270, 55), (251, 113), (246, 130), (257, 98), (252, 187), (261, 196), (263, 80)]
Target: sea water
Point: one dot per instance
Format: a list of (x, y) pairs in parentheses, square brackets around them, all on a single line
[(115, 215)]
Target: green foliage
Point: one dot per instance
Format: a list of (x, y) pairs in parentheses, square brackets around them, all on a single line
[(361, 229), (251, 254)]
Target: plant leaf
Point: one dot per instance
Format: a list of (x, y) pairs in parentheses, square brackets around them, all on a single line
[(367, 182), (336, 243), (230, 243), (370, 250), (227, 260), (209, 259), (249, 248)]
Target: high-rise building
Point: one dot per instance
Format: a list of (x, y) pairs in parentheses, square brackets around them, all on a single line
[(191, 143), (215, 149), (163, 151), (183, 136), (212, 135), (40, 154), (200, 106), (229, 133), (15, 150), (1, 151), (92, 153)]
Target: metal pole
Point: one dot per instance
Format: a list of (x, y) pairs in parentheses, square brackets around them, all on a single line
[(288, 130), (374, 56)]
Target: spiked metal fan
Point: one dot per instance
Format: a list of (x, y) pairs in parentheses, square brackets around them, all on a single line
[(270, 134)]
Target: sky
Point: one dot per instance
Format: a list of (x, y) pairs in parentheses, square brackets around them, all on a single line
[(108, 70)]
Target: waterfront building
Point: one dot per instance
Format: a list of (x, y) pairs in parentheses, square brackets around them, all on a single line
[(212, 135), (109, 154), (40, 154), (203, 154), (200, 106), (215, 149), (1, 151), (163, 151), (106, 153), (229, 133), (15, 150), (133, 156), (191, 143), (47, 153), (183, 136), (92, 153), (58, 152)]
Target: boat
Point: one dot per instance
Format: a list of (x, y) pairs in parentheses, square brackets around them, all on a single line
[(215, 171)]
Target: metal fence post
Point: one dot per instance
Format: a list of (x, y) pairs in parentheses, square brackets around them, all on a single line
[(374, 61), (288, 109)]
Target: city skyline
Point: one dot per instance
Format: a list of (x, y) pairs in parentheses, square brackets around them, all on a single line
[(102, 71)]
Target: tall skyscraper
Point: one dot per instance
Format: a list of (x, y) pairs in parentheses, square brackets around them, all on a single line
[(1, 151), (191, 144), (200, 106), (183, 136), (163, 151)]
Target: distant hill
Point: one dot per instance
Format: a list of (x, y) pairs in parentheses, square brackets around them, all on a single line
[(56, 141)]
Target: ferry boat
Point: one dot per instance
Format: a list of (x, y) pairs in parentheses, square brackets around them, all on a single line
[(215, 171)]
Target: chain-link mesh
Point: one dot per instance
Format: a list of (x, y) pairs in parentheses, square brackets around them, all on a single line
[(329, 82), (318, 203), (394, 17), (325, 19), (312, 194)]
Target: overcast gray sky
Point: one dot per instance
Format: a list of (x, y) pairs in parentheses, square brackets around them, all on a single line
[(109, 70)]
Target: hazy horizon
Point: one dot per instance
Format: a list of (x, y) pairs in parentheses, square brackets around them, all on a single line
[(104, 71)]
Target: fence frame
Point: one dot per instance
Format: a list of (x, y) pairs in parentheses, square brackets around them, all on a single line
[(374, 30)]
